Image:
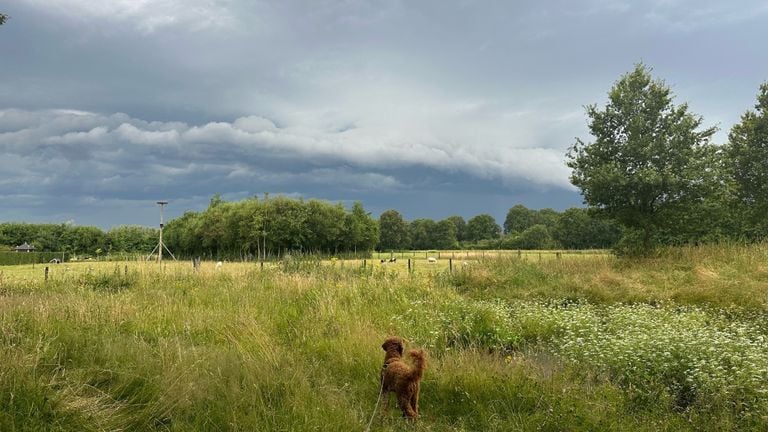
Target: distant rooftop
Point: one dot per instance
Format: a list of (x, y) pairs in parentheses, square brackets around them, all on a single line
[(26, 247)]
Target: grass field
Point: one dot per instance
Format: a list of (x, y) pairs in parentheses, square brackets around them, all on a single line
[(575, 342)]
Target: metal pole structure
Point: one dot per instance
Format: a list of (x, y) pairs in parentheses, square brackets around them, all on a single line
[(160, 245)]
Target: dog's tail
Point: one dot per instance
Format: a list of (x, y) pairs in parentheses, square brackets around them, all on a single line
[(419, 363)]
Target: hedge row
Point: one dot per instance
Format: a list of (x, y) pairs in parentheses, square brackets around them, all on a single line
[(16, 258)]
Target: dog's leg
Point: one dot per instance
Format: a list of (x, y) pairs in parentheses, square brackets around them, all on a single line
[(384, 401), (404, 401), (415, 400)]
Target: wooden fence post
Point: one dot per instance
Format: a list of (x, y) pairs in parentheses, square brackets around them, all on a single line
[(46, 274)]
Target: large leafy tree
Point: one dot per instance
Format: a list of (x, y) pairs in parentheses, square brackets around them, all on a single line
[(649, 160), (393, 231), (535, 237), (748, 159), (132, 238), (444, 235), (325, 224), (421, 231), (482, 227), (461, 226), (362, 231), (519, 218), (287, 224)]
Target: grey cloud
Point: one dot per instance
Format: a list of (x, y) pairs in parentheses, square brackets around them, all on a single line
[(143, 16), (253, 138)]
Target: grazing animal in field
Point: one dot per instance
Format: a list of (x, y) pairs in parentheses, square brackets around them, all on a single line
[(393, 260), (401, 379), (383, 261), (432, 260), (219, 265)]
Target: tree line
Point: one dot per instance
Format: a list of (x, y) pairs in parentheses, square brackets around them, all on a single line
[(523, 228), (78, 240), (271, 227)]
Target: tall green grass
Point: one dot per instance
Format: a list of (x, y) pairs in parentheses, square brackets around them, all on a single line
[(513, 344)]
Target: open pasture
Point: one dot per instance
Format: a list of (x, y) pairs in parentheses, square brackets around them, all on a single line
[(514, 343), (444, 260)]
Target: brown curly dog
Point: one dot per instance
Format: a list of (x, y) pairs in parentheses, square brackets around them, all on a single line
[(400, 378)]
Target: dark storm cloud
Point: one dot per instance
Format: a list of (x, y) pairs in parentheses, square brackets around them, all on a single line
[(107, 106)]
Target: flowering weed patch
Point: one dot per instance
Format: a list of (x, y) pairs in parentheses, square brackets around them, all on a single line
[(702, 358)]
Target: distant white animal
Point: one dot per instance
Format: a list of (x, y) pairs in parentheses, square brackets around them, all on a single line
[(219, 264), (432, 260)]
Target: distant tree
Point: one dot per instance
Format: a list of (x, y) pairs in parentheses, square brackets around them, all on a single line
[(747, 159), (49, 236), (215, 223), (461, 227), (421, 231), (444, 235), (648, 162), (183, 235), (535, 237), (393, 231), (86, 239), (577, 229), (287, 224), (132, 238), (361, 229), (3, 18), (546, 217), (325, 226), (482, 227), (519, 218), (15, 234)]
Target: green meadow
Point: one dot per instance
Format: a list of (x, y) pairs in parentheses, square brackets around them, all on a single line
[(539, 342)]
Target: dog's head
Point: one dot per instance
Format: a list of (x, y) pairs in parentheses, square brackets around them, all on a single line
[(393, 343)]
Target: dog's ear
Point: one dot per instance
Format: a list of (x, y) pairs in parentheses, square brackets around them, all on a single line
[(400, 348)]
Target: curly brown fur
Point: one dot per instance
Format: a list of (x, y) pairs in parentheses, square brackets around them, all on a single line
[(400, 378)]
